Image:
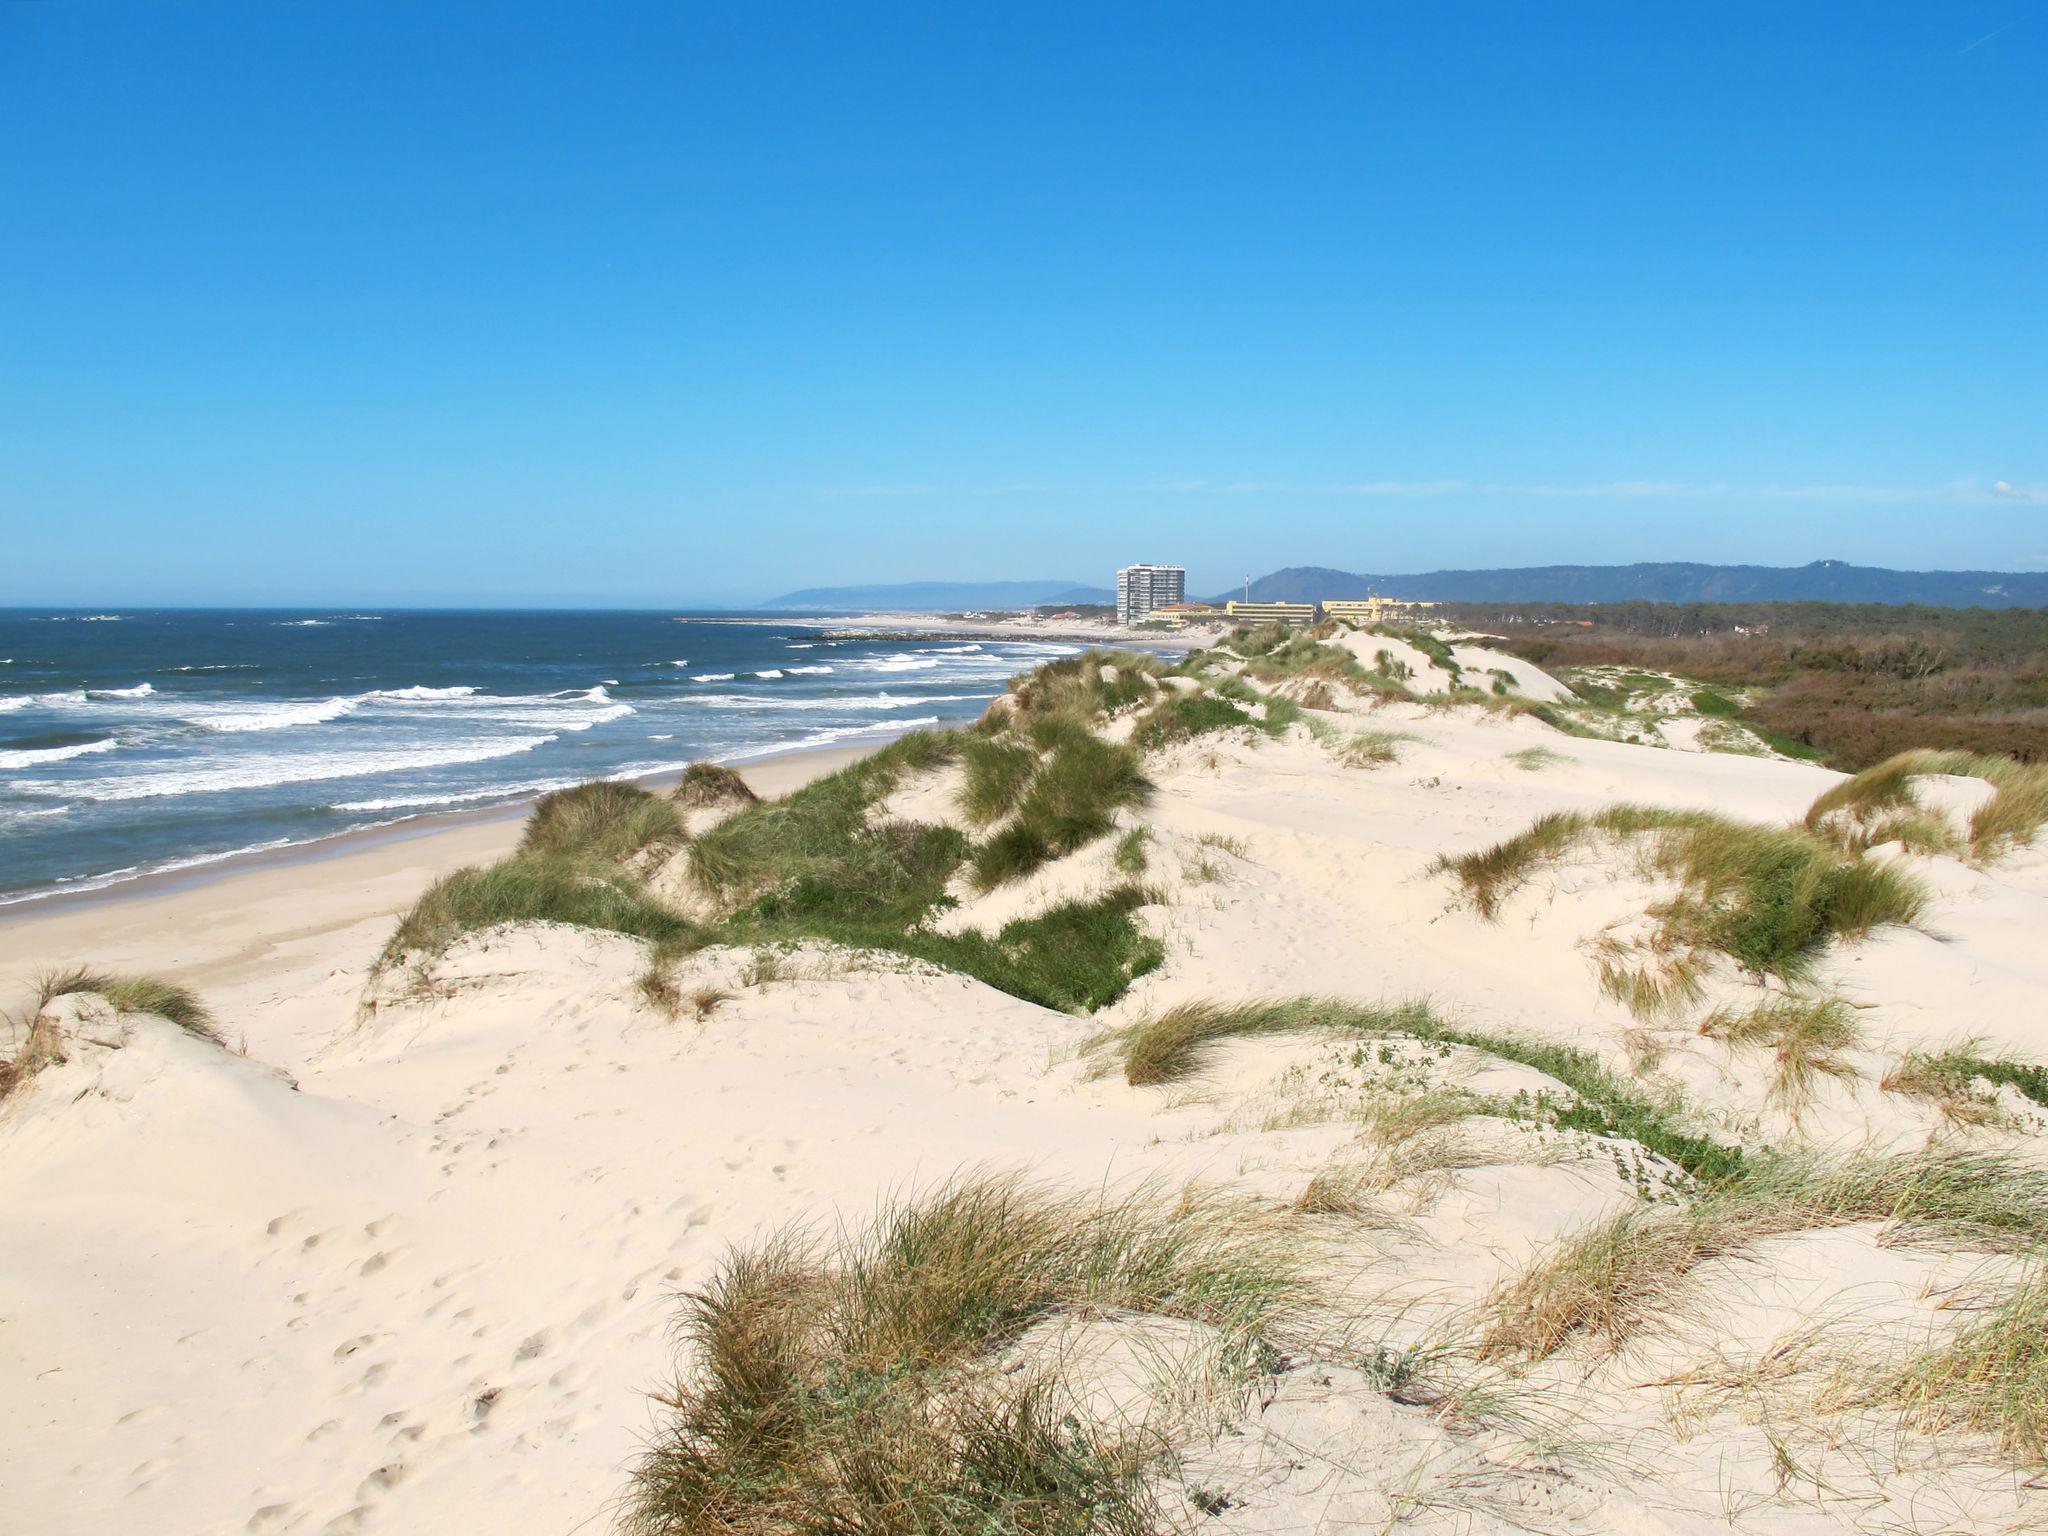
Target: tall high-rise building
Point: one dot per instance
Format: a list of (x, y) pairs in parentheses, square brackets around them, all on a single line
[(1141, 588)]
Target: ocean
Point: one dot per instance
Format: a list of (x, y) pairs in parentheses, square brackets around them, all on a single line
[(133, 742)]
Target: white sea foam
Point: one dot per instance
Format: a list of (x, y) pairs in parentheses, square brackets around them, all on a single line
[(37, 814), (139, 691), (712, 677), (301, 624), (29, 757), (47, 700), (899, 664), (418, 693), (807, 671), (770, 673), (266, 772)]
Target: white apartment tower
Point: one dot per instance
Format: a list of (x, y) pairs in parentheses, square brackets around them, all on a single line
[(1141, 588)]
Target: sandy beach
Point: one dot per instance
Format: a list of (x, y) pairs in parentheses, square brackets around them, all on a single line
[(406, 1255)]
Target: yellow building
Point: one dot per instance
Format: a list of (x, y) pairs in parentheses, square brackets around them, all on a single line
[(1372, 610), (1178, 614), (1271, 613)]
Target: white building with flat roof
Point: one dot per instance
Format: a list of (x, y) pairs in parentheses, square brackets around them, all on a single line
[(1141, 588)]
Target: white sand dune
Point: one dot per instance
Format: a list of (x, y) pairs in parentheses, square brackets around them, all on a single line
[(415, 1271)]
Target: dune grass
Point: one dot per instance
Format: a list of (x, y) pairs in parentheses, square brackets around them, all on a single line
[(1806, 1036), (994, 773), (1130, 857), (1088, 687), (1535, 759), (711, 784), (1877, 805), (528, 888), (1950, 1078), (1608, 1283), (37, 1044), (816, 840), (606, 819), (860, 1384), (131, 994), (1769, 898), (1370, 749), (1185, 716), (1990, 1378), (1070, 800), (1178, 1043)]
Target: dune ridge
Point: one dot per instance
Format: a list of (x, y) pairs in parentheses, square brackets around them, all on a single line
[(1295, 1088)]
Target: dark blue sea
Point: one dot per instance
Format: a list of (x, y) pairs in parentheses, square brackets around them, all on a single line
[(138, 741)]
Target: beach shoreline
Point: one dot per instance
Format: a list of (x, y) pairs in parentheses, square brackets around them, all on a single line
[(48, 930)]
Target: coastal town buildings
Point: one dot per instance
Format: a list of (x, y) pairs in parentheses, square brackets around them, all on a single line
[(1270, 613), (1142, 588), (1373, 610)]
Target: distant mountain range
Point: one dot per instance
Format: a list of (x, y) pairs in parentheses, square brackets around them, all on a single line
[(944, 596), (1826, 581)]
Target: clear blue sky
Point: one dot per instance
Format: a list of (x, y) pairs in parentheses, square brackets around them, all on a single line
[(665, 303)]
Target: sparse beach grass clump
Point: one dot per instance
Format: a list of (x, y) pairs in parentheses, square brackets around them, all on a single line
[(1088, 687), (606, 819), (1878, 806), (1176, 1044), (994, 773), (711, 784), (884, 1381), (1370, 749), (1950, 1078), (1990, 1378), (1607, 1284), (36, 1043), (1808, 1038), (1769, 898)]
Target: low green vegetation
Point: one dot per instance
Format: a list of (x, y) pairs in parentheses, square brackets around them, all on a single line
[(1535, 759), (1768, 898), (1088, 687), (131, 994), (880, 1383), (1130, 857), (1608, 1283), (1715, 705)]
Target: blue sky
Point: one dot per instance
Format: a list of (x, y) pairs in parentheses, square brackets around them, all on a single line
[(661, 303)]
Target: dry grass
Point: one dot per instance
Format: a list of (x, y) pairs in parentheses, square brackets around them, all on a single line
[(1806, 1036), (1990, 1378), (1615, 1279), (1878, 805), (858, 1385)]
